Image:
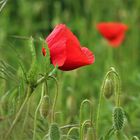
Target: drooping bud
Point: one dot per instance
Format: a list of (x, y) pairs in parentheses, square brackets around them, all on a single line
[(54, 132), (45, 106), (108, 88), (118, 118), (90, 134)]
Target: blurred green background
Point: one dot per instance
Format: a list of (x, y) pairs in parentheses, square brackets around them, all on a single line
[(21, 19)]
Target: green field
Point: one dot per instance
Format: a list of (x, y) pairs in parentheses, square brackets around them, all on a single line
[(21, 58)]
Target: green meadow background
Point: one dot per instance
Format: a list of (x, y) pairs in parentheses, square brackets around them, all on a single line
[(21, 19)]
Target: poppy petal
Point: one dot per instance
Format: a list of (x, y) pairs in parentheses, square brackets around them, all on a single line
[(76, 57), (117, 41), (88, 54), (58, 53), (61, 32)]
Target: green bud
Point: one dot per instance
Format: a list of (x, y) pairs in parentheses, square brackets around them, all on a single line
[(108, 88), (54, 132), (45, 106), (118, 118)]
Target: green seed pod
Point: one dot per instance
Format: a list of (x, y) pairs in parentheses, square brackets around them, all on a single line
[(90, 134), (108, 88), (54, 132), (135, 138), (118, 118), (45, 106)]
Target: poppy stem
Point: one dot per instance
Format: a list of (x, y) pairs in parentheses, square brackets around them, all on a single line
[(55, 99), (86, 122), (91, 120), (36, 111), (117, 93), (70, 130), (100, 101)]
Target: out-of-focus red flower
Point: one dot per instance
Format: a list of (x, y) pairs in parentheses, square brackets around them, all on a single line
[(114, 32), (66, 51), (43, 51)]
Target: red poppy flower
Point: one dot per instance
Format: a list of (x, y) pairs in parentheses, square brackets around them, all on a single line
[(114, 32), (66, 51)]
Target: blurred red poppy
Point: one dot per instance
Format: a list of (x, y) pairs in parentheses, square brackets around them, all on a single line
[(114, 32), (66, 51)]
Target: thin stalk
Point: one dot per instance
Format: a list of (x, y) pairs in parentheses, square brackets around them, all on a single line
[(71, 129), (55, 99), (100, 101), (36, 111), (86, 122), (26, 115), (41, 80), (69, 125), (91, 121), (117, 94)]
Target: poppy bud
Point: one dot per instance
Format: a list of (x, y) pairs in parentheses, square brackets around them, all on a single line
[(54, 132), (90, 134), (118, 118), (45, 106), (108, 88)]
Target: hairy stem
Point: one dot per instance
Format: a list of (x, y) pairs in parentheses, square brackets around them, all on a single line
[(55, 99), (91, 121), (100, 101), (36, 111)]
